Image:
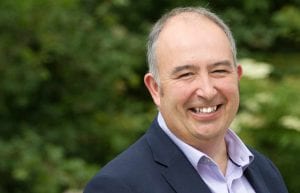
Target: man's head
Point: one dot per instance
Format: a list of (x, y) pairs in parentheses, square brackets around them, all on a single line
[(159, 25), (194, 77)]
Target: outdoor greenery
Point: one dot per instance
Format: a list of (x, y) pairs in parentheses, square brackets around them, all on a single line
[(72, 93)]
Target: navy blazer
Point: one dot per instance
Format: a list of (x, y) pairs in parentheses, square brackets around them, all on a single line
[(154, 164)]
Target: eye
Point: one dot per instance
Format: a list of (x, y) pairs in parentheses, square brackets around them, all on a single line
[(220, 71), (186, 75)]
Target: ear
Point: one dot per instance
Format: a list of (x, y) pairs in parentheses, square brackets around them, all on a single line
[(239, 71), (152, 87)]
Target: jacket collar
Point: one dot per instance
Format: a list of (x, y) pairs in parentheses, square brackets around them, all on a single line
[(175, 167), (255, 178)]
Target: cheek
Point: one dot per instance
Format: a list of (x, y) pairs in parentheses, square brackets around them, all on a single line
[(232, 95), (176, 93), (183, 91), (229, 86)]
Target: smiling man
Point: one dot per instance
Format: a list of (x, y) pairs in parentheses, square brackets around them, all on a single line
[(193, 79)]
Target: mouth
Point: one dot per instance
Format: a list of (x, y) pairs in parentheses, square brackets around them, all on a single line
[(205, 110)]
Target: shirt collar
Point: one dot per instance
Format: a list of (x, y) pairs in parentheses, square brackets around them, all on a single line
[(237, 150)]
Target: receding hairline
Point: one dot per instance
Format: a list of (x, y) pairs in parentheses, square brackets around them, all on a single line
[(187, 17)]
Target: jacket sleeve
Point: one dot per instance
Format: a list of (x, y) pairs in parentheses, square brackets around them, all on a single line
[(106, 184)]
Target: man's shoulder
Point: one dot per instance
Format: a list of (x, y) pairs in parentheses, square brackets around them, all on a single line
[(133, 167), (260, 159), (134, 156), (264, 168)]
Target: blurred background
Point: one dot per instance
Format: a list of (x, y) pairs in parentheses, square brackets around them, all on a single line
[(72, 93)]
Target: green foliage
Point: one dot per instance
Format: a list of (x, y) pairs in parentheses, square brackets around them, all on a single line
[(62, 73), (270, 121), (288, 22), (263, 25), (72, 93), (32, 165)]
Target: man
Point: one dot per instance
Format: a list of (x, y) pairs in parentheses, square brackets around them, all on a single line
[(194, 81)]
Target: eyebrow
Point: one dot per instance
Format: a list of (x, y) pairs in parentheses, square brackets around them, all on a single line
[(194, 67), (222, 63), (184, 67)]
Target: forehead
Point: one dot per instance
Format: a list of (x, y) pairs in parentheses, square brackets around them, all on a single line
[(189, 23), (191, 36), (188, 18), (185, 17)]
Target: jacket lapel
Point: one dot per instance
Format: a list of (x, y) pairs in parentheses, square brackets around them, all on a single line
[(255, 178), (175, 167), (183, 177)]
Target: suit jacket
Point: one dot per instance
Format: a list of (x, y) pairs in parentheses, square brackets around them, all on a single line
[(154, 164)]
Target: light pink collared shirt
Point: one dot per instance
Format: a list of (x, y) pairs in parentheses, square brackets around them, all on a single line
[(240, 157)]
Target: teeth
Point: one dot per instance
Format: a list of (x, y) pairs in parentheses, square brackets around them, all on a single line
[(206, 109)]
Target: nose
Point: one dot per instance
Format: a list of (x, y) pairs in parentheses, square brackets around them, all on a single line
[(205, 88)]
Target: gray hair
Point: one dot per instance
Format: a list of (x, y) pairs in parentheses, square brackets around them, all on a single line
[(159, 25)]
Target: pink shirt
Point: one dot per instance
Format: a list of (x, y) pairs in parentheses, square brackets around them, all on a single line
[(239, 158)]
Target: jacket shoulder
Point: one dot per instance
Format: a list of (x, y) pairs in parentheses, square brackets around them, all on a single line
[(133, 167), (264, 169)]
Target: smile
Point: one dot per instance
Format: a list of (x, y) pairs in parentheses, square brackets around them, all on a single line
[(205, 110)]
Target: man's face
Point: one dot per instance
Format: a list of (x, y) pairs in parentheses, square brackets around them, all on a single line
[(198, 93)]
